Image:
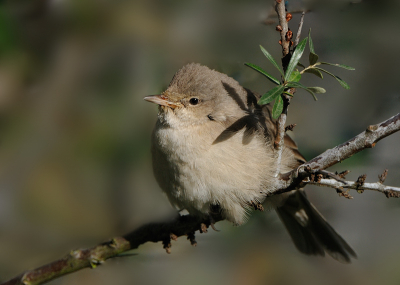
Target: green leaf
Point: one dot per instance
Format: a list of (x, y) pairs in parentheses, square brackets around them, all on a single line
[(339, 65), (271, 59), (315, 72), (310, 42), (299, 64), (312, 93), (298, 85), (260, 70), (278, 107), (342, 82), (317, 89), (291, 84), (295, 77), (298, 52), (271, 95), (312, 58)]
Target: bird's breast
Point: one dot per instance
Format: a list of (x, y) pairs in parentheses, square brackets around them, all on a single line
[(192, 169)]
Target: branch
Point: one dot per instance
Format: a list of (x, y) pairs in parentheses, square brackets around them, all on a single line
[(389, 191), (82, 258), (286, 36), (283, 22), (296, 42), (367, 139)]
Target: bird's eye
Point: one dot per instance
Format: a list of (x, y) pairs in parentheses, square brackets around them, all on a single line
[(194, 101)]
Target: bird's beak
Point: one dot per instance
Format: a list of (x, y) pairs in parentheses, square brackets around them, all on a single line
[(161, 100)]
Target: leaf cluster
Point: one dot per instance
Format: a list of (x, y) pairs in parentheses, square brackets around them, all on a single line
[(292, 76)]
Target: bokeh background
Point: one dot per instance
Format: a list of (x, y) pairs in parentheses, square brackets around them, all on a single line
[(75, 132)]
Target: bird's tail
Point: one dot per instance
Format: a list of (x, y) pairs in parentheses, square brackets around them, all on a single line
[(309, 230)]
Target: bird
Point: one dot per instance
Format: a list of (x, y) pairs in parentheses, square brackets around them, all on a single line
[(212, 151)]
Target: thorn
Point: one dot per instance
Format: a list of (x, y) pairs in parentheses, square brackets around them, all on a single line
[(343, 174), (290, 127), (383, 176), (392, 194), (360, 182), (343, 193)]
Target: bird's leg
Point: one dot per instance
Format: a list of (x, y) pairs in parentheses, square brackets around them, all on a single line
[(215, 210)]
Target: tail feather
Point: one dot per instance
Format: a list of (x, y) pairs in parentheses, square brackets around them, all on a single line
[(309, 230)]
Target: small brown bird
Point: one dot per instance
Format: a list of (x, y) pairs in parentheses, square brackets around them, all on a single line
[(212, 148)]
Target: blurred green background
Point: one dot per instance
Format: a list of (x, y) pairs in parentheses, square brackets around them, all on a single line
[(75, 132)]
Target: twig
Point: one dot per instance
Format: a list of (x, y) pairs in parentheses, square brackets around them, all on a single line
[(281, 11), (279, 140), (366, 139), (296, 42), (286, 36), (290, 127), (389, 191), (383, 176)]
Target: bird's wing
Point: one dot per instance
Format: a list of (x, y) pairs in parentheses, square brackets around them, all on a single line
[(270, 127)]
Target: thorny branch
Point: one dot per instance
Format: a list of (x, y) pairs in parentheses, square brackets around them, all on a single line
[(366, 139), (389, 191), (286, 36), (92, 257), (286, 42)]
